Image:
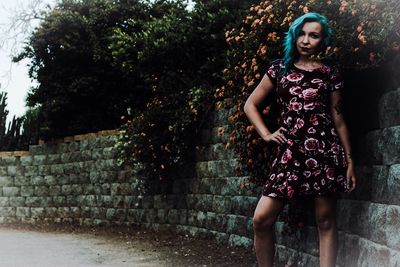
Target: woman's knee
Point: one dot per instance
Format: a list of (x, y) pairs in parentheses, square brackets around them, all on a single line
[(325, 221), (263, 220)]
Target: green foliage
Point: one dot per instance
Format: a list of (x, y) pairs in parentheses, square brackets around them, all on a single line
[(79, 88), (16, 136)]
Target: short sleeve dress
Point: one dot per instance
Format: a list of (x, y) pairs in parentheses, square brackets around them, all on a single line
[(312, 161)]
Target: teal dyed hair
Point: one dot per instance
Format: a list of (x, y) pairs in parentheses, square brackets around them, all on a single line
[(289, 42)]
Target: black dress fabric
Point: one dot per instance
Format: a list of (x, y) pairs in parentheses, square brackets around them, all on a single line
[(313, 161)]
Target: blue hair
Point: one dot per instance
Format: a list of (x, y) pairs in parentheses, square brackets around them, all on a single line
[(289, 42)]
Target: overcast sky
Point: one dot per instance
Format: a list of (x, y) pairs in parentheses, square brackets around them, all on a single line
[(14, 77)]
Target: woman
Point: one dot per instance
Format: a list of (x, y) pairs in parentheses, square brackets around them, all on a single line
[(314, 154)]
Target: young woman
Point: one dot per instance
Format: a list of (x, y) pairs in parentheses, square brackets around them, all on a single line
[(313, 156)]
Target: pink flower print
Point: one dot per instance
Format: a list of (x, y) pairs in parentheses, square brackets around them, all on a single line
[(329, 173), (333, 132), (310, 93), (340, 178), (293, 177), (310, 106), (314, 119), (316, 81), (290, 142), (288, 120), (305, 186), (311, 144), (279, 176), (272, 177), (272, 72), (322, 181), (335, 148), (307, 174), (316, 186), (290, 191), (287, 155), (295, 90), (299, 124), (316, 173), (311, 130), (311, 163), (296, 163), (296, 106), (294, 77), (322, 133)]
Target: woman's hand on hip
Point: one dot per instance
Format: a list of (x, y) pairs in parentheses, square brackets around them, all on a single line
[(277, 136)]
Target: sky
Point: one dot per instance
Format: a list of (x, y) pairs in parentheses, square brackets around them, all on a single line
[(14, 78)]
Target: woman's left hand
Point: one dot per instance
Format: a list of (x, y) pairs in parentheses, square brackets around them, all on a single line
[(351, 177)]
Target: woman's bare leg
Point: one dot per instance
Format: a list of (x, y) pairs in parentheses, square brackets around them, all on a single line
[(266, 212), (325, 214)]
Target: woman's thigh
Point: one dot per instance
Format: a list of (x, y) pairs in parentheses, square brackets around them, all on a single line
[(267, 210)]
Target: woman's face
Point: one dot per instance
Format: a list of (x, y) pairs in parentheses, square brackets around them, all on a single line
[(310, 38)]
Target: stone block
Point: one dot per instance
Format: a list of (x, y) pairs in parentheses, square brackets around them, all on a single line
[(72, 201), (120, 189), (64, 212), (41, 191), (6, 181), (243, 205), (26, 160), (51, 212), (393, 185), (116, 214), (50, 180), (240, 241), (237, 224), (73, 146), (3, 171), (37, 202), (391, 145), (39, 159), (67, 158), (10, 160), (54, 190), (88, 189), (17, 201), (38, 180), (43, 170), (118, 201), (7, 211), (75, 212), (27, 191), (23, 212), (98, 213), (372, 254), (15, 170), (4, 202), (95, 177), (161, 216), (389, 109), (69, 167), (11, 191), (30, 170), (38, 212), (66, 190), (109, 152), (59, 201), (222, 168), (53, 159), (97, 153), (56, 169), (390, 229), (221, 204)]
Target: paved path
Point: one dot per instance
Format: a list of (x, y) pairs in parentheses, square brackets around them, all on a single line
[(22, 248)]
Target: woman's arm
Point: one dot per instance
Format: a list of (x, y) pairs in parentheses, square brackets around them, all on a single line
[(342, 130), (252, 110)]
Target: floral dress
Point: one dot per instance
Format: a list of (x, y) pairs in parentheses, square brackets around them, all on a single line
[(312, 161)]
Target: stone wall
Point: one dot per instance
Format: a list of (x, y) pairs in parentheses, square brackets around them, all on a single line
[(79, 181)]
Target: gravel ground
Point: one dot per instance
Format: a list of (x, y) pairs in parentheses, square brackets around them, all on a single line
[(77, 246)]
